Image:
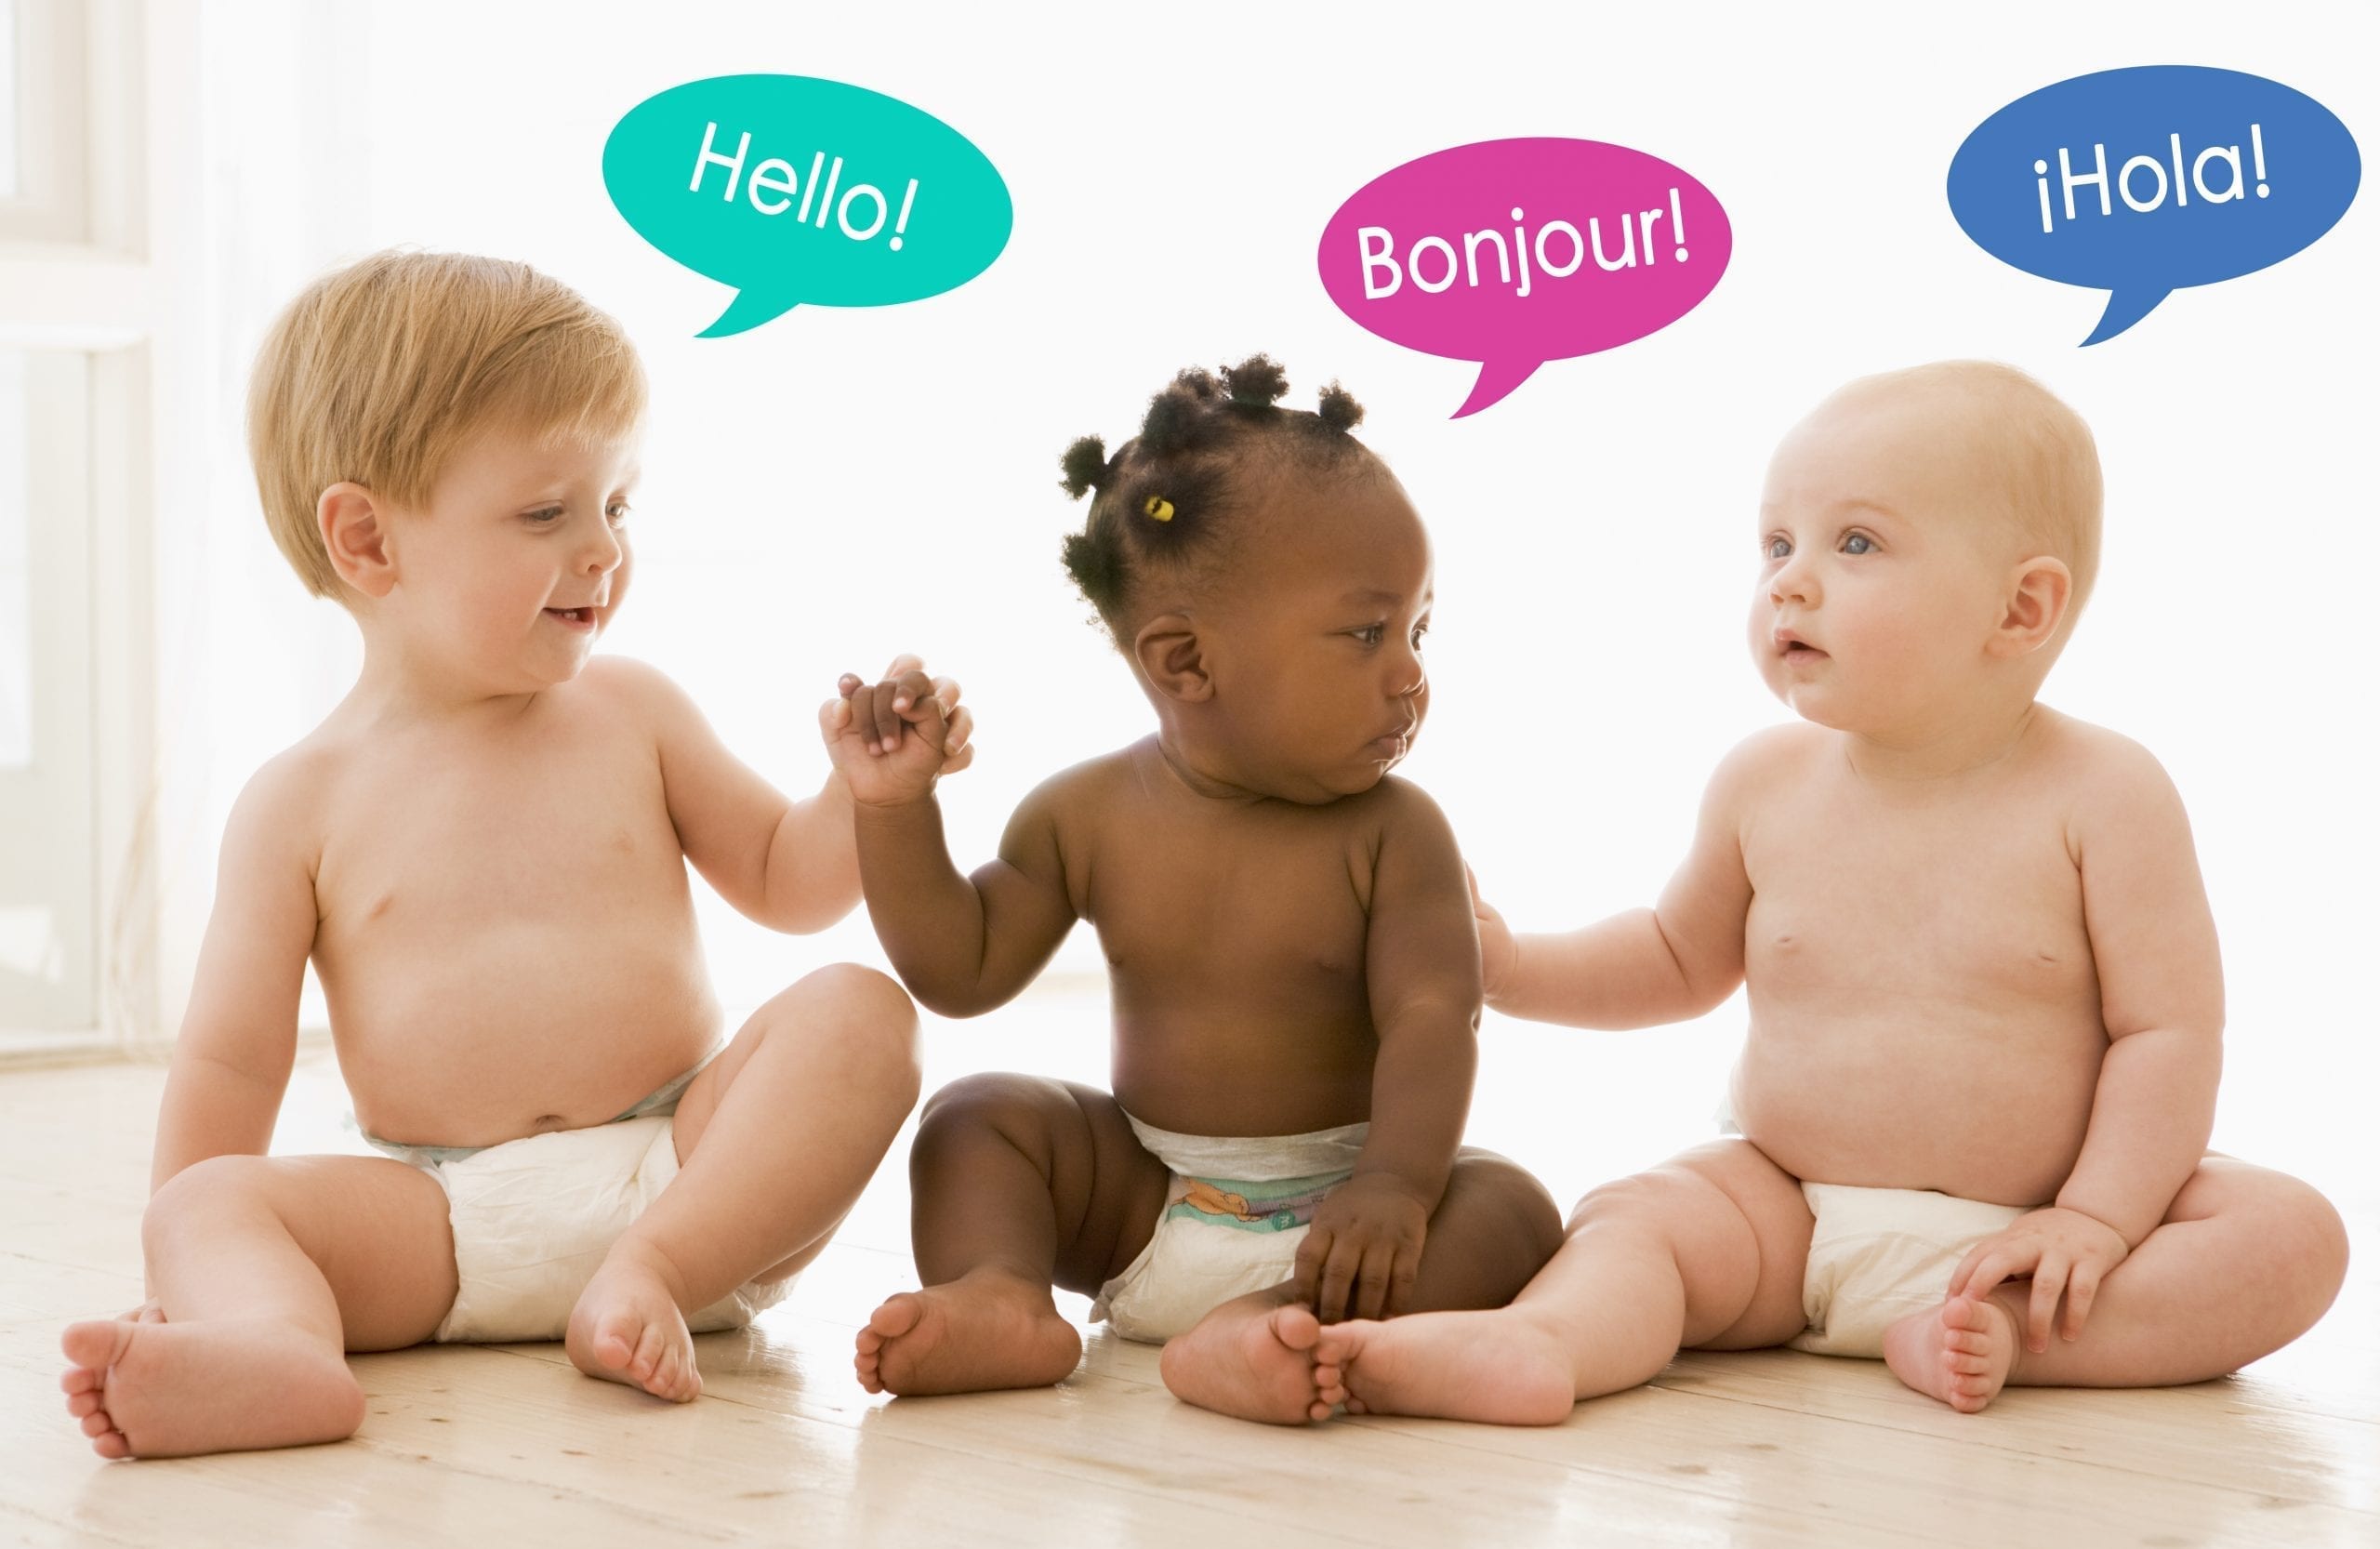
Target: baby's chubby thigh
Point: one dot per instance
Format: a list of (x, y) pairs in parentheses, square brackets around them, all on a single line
[(242, 1235), (1733, 1227), (1042, 1178), (776, 1136)]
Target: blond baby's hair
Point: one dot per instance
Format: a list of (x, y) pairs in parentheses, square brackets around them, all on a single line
[(2046, 461), (378, 373)]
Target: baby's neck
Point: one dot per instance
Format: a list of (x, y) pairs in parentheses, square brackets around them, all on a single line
[(1945, 751), (398, 685)]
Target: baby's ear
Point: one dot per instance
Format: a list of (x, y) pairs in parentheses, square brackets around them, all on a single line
[(1173, 659), (2039, 590), (356, 539)]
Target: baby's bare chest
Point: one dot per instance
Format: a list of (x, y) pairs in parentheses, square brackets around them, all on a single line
[(567, 826), (1262, 903), (1950, 899)]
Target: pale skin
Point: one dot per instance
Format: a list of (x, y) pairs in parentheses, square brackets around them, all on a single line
[(484, 852), (1289, 942), (1978, 960)]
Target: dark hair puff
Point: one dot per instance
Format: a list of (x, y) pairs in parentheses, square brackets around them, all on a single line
[(1162, 493)]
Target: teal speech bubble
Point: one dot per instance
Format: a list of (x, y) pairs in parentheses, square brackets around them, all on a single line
[(793, 189)]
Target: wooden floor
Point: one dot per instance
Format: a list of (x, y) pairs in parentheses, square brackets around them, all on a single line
[(508, 1446)]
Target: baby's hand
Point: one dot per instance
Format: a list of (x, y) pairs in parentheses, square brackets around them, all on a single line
[(2063, 1251), (1360, 1255), (891, 739), (1497, 953)]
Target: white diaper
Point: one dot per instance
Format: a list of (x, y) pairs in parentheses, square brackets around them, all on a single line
[(1232, 1222), (1879, 1254), (532, 1218)]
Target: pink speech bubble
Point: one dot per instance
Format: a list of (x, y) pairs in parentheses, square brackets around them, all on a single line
[(1516, 252)]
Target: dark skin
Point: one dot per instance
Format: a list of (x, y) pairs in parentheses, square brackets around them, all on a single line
[(1291, 946)]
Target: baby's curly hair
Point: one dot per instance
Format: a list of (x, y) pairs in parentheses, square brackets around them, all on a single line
[(1166, 498)]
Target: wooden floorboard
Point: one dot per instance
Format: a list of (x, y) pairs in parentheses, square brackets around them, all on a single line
[(506, 1445)]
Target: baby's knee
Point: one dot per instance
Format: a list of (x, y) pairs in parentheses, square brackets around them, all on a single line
[(994, 1104), (2307, 1234), (868, 1017), (1491, 1182), (196, 1198)]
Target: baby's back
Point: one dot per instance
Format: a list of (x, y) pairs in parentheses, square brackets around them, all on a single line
[(506, 937), (1924, 1007)]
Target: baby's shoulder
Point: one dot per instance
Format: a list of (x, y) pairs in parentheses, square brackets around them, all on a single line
[(1769, 758), (1398, 805), (2103, 770), (284, 809), (1105, 783), (625, 685)]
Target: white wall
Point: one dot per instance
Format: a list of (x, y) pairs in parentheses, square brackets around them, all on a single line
[(838, 485)]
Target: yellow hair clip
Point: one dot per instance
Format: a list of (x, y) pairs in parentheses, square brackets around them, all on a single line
[(1157, 507)]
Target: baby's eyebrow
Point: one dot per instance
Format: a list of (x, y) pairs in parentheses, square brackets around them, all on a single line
[(1373, 594)]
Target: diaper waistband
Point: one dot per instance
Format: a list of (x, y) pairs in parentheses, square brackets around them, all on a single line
[(1256, 1158), (661, 1100)]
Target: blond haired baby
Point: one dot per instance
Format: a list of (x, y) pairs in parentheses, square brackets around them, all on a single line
[(484, 852)]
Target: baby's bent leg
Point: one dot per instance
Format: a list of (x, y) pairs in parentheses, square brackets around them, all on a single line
[(775, 1139), (2247, 1260), (1016, 1182), (1706, 1251), (1254, 1355), (266, 1270)]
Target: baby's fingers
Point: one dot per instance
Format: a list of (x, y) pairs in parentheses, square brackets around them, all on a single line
[(1306, 1274), (1401, 1276), (1339, 1279), (946, 691), (958, 750), (2081, 1289), (1985, 1268), (2041, 1312), (1374, 1280), (889, 703)]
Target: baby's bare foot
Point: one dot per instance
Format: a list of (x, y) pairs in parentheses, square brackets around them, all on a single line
[(1493, 1367), (627, 1329), (1249, 1360), (160, 1390), (986, 1330), (1960, 1351)]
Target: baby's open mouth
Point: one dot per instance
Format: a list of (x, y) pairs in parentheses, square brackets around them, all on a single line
[(574, 616)]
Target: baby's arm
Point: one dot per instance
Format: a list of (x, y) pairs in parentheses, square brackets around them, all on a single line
[(2161, 999), (239, 1036), (962, 944), (1421, 975), (1667, 964), (790, 864)]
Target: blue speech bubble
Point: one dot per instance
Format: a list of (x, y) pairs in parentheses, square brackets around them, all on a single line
[(2145, 180)]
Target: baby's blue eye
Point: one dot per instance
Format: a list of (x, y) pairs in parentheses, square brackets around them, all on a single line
[(618, 513), (1418, 631), (546, 517), (1858, 543), (1778, 548)]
